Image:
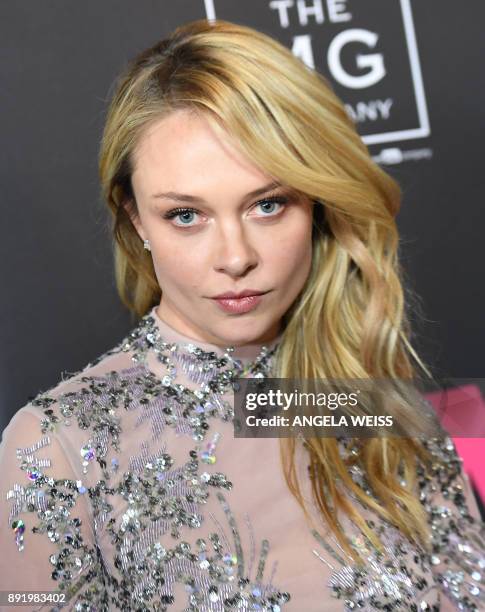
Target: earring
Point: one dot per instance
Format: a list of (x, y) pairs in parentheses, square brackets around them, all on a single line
[(146, 245)]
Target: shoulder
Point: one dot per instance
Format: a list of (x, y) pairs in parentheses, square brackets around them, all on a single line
[(64, 412), (445, 488)]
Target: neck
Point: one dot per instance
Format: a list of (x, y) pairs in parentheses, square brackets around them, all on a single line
[(245, 352)]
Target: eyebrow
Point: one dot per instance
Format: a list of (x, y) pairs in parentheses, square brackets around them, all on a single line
[(184, 197)]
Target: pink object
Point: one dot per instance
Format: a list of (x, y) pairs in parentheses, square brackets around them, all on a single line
[(239, 305), (462, 411)]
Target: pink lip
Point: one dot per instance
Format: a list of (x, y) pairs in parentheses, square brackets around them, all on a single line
[(239, 305), (240, 294)]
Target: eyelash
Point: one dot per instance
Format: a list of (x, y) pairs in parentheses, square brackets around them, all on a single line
[(175, 212)]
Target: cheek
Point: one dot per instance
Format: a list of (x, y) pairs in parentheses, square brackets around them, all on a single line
[(289, 255), (176, 267)]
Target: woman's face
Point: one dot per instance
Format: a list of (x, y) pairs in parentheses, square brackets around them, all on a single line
[(222, 237)]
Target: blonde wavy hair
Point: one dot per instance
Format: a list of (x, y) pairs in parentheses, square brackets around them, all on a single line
[(350, 320)]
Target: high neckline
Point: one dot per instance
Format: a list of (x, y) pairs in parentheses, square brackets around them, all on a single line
[(245, 353)]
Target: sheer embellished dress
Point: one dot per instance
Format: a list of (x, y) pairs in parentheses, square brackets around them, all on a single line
[(123, 487)]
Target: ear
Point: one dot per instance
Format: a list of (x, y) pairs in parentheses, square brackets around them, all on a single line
[(132, 211)]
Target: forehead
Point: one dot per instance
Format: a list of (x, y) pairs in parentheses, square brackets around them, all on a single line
[(184, 148)]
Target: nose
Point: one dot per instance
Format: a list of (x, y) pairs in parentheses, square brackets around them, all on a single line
[(234, 252)]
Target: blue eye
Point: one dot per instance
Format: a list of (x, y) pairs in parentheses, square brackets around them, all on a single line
[(183, 215), (271, 202), (180, 212)]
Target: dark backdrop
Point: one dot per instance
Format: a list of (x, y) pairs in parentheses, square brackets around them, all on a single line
[(410, 74)]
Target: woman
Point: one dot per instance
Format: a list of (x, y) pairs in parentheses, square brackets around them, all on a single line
[(231, 168)]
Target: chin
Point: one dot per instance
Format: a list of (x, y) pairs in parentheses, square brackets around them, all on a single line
[(244, 330)]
